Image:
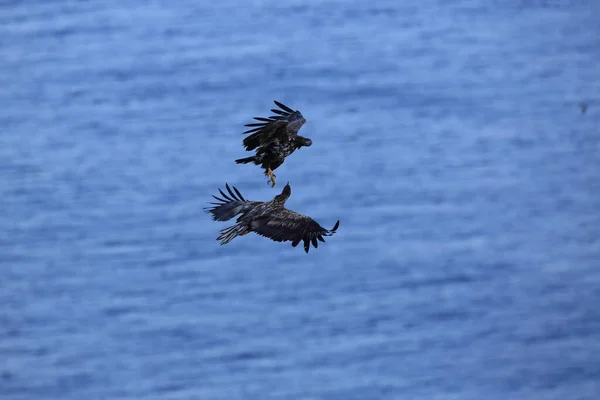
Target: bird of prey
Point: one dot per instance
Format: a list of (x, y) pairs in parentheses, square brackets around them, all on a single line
[(274, 139), (267, 218)]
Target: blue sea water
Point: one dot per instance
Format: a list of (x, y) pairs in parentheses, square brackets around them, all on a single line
[(447, 138)]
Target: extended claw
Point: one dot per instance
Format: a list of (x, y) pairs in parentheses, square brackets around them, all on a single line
[(271, 175)]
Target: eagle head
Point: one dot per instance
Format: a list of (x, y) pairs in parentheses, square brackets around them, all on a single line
[(285, 193), (287, 190), (302, 141)]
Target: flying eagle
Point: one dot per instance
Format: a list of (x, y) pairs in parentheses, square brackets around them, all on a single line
[(266, 218), (274, 139)]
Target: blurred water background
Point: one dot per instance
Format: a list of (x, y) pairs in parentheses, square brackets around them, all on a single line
[(448, 138)]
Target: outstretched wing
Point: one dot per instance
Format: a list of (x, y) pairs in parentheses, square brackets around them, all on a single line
[(285, 225), (286, 122), (228, 206)]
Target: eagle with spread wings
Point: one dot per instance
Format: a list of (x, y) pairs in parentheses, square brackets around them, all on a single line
[(266, 218), (274, 138)]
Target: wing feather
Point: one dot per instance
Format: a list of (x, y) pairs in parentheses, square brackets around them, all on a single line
[(285, 122), (286, 225), (230, 205), (266, 134), (283, 106)]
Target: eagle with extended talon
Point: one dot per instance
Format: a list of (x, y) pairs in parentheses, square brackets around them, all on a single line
[(274, 139), (266, 218)]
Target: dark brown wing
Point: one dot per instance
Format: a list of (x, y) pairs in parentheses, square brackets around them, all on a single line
[(266, 134), (284, 225), (285, 122), (229, 204)]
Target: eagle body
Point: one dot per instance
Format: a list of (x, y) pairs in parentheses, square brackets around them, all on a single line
[(272, 156), (269, 219), (273, 139)]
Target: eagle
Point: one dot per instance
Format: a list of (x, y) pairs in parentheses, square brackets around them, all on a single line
[(267, 218), (274, 139)]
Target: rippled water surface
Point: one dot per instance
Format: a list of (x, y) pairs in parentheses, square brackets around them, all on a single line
[(447, 138)]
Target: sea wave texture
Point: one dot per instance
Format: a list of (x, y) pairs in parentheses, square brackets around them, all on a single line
[(458, 142)]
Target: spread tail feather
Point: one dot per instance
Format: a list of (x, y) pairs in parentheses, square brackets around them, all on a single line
[(228, 234)]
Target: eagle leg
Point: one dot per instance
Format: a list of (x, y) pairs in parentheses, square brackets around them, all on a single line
[(271, 176)]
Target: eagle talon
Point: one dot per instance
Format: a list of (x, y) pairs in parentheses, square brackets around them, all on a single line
[(271, 175)]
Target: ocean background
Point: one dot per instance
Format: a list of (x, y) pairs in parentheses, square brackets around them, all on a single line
[(449, 138)]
